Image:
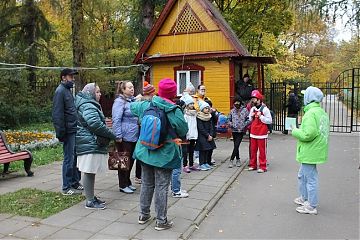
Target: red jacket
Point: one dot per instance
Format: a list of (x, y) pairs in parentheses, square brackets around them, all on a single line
[(259, 128)]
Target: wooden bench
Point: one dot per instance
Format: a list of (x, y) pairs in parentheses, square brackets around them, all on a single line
[(7, 156)]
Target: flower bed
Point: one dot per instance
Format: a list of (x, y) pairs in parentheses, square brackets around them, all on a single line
[(21, 140)]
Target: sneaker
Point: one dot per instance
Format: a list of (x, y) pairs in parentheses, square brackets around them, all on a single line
[(163, 226), (98, 200), (132, 187), (194, 168), (251, 169), (180, 194), (306, 209), (208, 166), (238, 163), (261, 170), (144, 219), (126, 190), (299, 201), (78, 186), (137, 180), (212, 164), (186, 169), (203, 167), (94, 205), (70, 192), (231, 164)]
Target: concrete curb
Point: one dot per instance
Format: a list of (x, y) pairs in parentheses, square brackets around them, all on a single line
[(212, 203)]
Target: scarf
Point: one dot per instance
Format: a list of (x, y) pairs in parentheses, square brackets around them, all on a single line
[(190, 112), (203, 116)]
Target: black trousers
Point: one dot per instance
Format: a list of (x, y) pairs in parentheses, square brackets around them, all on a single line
[(205, 156), (124, 176), (188, 149), (237, 138)]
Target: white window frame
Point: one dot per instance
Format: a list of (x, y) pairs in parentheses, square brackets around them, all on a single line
[(187, 72)]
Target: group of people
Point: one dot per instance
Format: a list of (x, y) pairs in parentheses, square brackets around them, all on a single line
[(80, 125)]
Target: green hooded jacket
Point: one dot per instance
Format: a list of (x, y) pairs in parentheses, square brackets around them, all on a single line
[(313, 135), (91, 123), (169, 155)]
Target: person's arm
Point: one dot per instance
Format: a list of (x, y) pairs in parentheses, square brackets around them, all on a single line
[(266, 117), (308, 130), (91, 116), (117, 114), (58, 117), (244, 112), (177, 121)]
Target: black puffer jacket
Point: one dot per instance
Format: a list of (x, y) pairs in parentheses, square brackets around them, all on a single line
[(243, 90), (205, 128), (64, 114)]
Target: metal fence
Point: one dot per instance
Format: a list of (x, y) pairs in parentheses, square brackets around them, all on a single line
[(341, 100)]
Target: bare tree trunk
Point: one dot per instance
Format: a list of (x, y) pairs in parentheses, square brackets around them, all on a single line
[(147, 18), (77, 27)]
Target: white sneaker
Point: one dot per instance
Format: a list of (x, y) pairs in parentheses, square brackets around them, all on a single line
[(306, 209), (180, 194), (299, 201)]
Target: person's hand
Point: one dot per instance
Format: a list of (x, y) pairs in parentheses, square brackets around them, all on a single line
[(119, 140), (138, 97), (210, 138), (258, 114), (252, 114)]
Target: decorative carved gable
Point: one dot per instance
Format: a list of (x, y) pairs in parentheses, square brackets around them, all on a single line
[(187, 22)]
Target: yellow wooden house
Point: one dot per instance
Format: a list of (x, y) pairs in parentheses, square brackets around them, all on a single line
[(192, 42)]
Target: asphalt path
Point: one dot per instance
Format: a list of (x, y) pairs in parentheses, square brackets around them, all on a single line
[(260, 206)]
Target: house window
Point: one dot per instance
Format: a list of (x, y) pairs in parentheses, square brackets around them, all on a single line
[(187, 73), (183, 78)]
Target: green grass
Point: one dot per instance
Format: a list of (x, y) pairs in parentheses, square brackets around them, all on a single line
[(41, 156), (36, 203), (48, 126)]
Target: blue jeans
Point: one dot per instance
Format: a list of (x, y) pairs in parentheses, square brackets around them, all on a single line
[(308, 183), (156, 180), (70, 173), (175, 181)]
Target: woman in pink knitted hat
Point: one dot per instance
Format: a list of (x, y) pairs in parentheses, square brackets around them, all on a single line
[(157, 165)]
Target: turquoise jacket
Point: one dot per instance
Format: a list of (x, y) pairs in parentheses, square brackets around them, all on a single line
[(313, 135), (168, 156), (91, 123)]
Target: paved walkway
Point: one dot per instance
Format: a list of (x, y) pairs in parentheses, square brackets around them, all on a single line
[(260, 206), (119, 220)]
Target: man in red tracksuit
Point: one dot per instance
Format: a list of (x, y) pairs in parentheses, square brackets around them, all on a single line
[(260, 117)]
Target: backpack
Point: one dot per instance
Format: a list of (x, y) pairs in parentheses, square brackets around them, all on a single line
[(270, 126), (154, 128), (222, 122)]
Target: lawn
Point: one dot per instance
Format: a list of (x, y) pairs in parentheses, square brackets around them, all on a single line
[(41, 156), (36, 203)]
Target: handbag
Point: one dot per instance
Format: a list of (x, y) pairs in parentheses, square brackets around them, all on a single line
[(119, 160)]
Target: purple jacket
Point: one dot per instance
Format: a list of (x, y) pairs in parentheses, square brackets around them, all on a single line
[(125, 124)]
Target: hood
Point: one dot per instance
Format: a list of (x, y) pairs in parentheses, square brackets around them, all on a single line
[(313, 94), (82, 98), (163, 104)]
